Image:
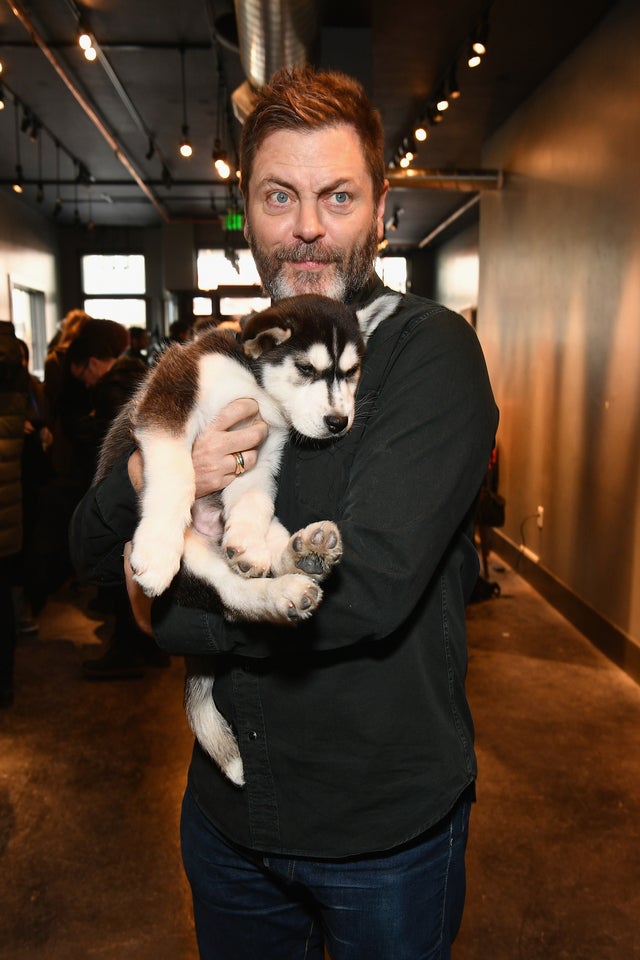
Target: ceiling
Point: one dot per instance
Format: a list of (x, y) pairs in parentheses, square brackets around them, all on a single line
[(106, 133)]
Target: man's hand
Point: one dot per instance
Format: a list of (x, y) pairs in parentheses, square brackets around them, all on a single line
[(238, 429)]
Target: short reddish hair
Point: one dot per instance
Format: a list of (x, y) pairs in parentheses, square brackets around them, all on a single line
[(303, 98)]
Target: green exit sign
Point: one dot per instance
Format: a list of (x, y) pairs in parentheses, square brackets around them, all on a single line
[(233, 221)]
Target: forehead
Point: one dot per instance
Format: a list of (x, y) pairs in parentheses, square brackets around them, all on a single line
[(311, 158)]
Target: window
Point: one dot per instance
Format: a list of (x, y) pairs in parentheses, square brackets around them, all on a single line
[(393, 272), (114, 287), (27, 314), (215, 270)]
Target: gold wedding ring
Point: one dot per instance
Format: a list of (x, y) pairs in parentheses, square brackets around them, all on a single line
[(240, 467)]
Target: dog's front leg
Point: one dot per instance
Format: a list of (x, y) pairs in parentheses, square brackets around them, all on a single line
[(248, 505), (165, 506), (245, 540)]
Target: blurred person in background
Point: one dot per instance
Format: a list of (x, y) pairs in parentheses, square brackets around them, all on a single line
[(14, 392), (99, 358), (37, 473)]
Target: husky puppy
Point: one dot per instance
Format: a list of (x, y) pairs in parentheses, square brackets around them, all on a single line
[(300, 360)]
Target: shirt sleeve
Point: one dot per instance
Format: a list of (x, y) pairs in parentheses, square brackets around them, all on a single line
[(103, 521), (417, 468)]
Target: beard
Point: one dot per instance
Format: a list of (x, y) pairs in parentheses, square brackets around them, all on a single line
[(347, 271)]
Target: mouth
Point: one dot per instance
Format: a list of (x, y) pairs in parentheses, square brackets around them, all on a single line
[(310, 265)]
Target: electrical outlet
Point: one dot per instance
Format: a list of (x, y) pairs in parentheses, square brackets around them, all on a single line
[(540, 518)]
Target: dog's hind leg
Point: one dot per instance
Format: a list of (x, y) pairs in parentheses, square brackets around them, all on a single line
[(281, 600), (314, 550)]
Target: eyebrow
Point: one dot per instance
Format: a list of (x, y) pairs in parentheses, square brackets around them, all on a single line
[(342, 183)]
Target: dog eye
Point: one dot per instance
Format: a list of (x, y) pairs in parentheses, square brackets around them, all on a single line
[(306, 369), (352, 371)]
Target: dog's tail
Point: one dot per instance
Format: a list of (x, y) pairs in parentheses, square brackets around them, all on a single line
[(210, 728)]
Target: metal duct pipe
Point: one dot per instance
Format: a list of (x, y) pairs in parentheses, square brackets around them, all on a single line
[(461, 180), (281, 33)]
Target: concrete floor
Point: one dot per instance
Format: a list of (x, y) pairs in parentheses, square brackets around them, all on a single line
[(91, 777)]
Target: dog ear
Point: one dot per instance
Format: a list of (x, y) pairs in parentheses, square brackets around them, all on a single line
[(265, 340), (371, 316)]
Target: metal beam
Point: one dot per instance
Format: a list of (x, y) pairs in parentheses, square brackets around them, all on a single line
[(83, 100)]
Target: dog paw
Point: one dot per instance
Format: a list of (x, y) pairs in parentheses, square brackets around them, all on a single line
[(315, 549), (295, 598), (247, 556), (247, 561), (154, 563)]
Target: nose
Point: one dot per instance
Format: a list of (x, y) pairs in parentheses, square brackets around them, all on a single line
[(308, 226), (335, 423)]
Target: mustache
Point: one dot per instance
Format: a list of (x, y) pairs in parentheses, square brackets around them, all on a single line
[(299, 252)]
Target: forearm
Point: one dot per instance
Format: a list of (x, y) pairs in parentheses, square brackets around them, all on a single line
[(103, 522)]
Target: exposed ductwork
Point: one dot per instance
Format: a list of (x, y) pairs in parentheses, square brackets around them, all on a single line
[(281, 33)]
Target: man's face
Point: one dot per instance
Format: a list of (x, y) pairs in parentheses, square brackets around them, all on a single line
[(311, 219)]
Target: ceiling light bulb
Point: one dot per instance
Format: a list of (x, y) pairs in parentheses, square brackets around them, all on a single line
[(421, 133), (442, 104), (474, 60), (186, 150), (404, 162), (84, 40), (479, 47), (454, 89), (17, 183), (222, 168), (90, 53)]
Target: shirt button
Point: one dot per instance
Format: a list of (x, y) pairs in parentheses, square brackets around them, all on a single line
[(253, 735)]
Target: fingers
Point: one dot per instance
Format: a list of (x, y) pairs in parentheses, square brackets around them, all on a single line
[(238, 429), (140, 604), (237, 413)]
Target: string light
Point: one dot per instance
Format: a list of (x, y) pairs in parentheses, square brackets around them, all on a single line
[(186, 150), (85, 42), (220, 161)]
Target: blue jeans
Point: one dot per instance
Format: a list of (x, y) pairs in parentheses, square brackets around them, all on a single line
[(403, 905)]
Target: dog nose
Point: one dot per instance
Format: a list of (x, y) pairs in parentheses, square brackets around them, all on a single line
[(335, 423)]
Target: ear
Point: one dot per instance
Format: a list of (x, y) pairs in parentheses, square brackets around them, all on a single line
[(373, 314), (382, 202), (265, 340)]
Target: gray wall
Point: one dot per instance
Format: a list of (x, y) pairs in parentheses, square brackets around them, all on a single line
[(28, 256), (559, 318)]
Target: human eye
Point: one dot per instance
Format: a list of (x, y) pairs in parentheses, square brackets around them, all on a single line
[(278, 198), (341, 197)]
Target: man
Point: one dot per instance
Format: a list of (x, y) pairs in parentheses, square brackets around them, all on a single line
[(354, 728), (138, 344)]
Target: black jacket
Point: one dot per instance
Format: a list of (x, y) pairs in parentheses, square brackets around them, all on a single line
[(354, 727)]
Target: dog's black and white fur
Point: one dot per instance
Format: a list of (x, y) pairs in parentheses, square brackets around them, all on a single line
[(300, 360)]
